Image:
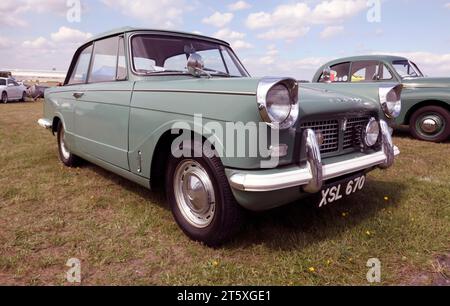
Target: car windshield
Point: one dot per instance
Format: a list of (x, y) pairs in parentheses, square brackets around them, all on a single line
[(160, 54), (407, 69)]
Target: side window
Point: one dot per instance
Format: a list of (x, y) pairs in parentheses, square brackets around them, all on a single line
[(339, 73), (80, 71), (385, 73), (104, 61), (364, 71), (121, 62), (2, 82)]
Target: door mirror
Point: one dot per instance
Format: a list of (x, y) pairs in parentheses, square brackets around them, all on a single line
[(195, 65)]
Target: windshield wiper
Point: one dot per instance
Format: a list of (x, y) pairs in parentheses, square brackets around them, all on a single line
[(215, 72), (150, 72)]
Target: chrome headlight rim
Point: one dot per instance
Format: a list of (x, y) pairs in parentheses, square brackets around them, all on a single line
[(391, 108), (264, 87), (369, 132)]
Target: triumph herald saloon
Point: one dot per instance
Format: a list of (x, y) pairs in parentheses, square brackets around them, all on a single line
[(426, 101), (179, 111)]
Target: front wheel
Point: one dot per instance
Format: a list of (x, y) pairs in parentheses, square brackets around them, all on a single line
[(24, 96), (4, 97), (431, 123), (201, 200), (66, 157)]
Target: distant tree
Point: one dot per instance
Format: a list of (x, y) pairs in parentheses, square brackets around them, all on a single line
[(5, 74)]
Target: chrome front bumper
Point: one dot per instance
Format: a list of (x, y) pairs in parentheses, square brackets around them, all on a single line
[(312, 176), (45, 123)]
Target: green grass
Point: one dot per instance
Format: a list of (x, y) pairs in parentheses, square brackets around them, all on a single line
[(124, 234)]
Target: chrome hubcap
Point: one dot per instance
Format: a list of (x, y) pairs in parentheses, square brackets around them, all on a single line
[(431, 124), (65, 152), (194, 193)]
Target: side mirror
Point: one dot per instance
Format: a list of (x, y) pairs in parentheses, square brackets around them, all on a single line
[(195, 65), (326, 75)]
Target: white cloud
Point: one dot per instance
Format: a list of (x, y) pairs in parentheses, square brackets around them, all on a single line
[(290, 21), (328, 12), (38, 43), (218, 19), (331, 31), (227, 34), (70, 35), (163, 14), (5, 42), (236, 39), (270, 56), (238, 6), (286, 33), (241, 44), (12, 11), (52, 51)]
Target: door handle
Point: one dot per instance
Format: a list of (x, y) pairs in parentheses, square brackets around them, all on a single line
[(78, 95)]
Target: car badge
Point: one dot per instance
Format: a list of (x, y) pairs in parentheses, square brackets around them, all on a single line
[(320, 138), (344, 125)]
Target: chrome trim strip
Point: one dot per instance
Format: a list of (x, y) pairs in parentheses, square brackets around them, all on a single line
[(45, 123), (253, 182), (240, 93)]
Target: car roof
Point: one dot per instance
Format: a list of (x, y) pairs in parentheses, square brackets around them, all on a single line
[(153, 31), (387, 58)]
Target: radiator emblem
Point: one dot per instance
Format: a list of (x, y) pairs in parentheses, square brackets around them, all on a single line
[(344, 124)]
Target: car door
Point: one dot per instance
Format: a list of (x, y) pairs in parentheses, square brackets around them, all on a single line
[(12, 90), (65, 98), (102, 105)]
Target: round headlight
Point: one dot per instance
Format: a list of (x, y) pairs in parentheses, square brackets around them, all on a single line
[(372, 133), (390, 99), (278, 103), (277, 100)]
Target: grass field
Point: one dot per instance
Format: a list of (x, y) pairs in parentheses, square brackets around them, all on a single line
[(124, 234)]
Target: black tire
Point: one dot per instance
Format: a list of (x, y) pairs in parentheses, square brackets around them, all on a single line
[(436, 113), (228, 214), (4, 97), (24, 96), (67, 158)]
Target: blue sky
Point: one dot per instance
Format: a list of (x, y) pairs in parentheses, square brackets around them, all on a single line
[(288, 38)]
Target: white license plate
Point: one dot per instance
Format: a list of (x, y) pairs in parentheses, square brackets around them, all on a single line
[(341, 190)]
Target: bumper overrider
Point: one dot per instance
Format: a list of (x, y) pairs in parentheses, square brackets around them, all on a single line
[(312, 176)]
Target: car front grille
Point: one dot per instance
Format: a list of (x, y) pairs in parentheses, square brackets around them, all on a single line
[(330, 131), (353, 133), (333, 131)]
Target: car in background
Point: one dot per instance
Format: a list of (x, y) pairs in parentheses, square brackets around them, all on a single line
[(425, 100), (11, 90), (130, 94)]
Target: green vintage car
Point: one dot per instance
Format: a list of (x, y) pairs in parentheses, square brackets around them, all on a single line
[(180, 111), (426, 101)]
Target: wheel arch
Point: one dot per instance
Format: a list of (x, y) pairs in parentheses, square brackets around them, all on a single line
[(161, 155), (56, 121), (422, 104)]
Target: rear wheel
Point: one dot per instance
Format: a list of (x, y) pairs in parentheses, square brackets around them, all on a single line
[(4, 97), (431, 123), (66, 157), (201, 200)]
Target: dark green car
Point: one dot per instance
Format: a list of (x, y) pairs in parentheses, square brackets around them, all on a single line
[(180, 111), (426, 101)]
